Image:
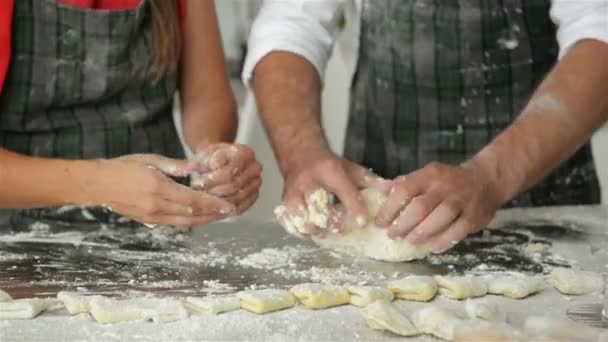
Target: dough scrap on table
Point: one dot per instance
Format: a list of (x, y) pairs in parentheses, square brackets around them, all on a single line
[(5, 297), (516, 287), (265, 301), (437, 322), (461, 287), (485, 309), (76, 303), (576, 282), (370, 241), (542, 328), (27, 308), (107, 310), (362, 296), (414, 288), (213, 305), (383, 315), (321, 296)]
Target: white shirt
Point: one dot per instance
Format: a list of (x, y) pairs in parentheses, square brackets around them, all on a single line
[(309, 28)]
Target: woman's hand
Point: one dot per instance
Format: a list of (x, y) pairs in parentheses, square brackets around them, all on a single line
[(138, 186), (228, 171), (440, 203)]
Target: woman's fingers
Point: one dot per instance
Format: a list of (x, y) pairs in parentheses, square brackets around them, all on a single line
[(168, 166), (249, 188), (238, 182), (200, 202)]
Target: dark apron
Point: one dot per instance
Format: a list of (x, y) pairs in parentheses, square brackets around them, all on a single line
[(437, 80), (79, 87)]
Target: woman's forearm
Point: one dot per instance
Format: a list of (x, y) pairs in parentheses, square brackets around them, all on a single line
[(568, 107), (208, 106), (28, 182)]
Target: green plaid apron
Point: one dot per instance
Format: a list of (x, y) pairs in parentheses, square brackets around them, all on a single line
[(79, 85), (437, 80)]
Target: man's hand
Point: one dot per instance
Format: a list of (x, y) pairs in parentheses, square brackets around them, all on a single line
[(326, 171), (228, 171), (439, 203)]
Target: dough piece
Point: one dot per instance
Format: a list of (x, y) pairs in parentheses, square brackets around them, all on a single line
[(485, 309), (516, 287), (461, 287), (541, 328), (371, 241), (213, 305), (5, 297), (437, 322), (415, 288), (362, 296), (265, 301), (106, 310), (574, 282), (484, 331), (75, 303), (320, 296), (382, 315), (22, 308)]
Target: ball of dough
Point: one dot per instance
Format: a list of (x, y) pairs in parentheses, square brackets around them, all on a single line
[(372, 241)]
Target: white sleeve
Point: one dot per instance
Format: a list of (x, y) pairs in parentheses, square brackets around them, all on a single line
[(303, 27), (577, 20)]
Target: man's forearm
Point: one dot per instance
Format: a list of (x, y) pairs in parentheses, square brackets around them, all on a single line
[(288, 92), (569, 106)]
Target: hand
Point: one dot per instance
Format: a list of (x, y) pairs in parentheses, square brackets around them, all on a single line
[(228, 171), (439, 203), (137, 186), (326, 171)]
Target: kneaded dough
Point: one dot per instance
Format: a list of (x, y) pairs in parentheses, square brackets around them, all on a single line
[(362, 296), (320, 296), (382, 315), (107, 310), (22, 308), (414, 288), (516, 287), (437, 322), (265, 301), (461, 287), (575, 282), (485, 309), (213, 305), (5, 297), (371, 241)]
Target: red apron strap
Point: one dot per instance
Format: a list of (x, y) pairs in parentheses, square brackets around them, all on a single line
[(6, 25)]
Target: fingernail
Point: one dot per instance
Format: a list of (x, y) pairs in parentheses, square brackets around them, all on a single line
[(438, 249), (228, 209), (361, 221)]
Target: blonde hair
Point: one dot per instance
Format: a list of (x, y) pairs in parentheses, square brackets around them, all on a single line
[(167, 36)]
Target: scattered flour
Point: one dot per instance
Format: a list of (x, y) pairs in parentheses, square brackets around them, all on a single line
[(273, 258)]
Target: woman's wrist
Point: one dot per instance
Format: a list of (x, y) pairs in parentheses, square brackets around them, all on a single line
[(84, 178)]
